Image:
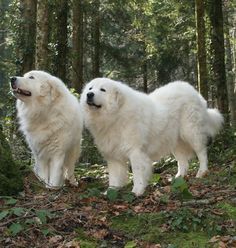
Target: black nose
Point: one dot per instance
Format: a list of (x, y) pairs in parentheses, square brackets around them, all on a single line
[(90, 95), (13, 82)]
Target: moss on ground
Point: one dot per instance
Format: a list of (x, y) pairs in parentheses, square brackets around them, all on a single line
[(148, 227), (84, 240), (229, 209)]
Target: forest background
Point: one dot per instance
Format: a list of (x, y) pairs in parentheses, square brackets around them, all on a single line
[(145, 44)]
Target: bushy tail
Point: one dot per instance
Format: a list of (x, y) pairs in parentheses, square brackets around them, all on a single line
[(215, 123)]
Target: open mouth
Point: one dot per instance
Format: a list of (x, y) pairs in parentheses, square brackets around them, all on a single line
[(93, 104), (21, 92)]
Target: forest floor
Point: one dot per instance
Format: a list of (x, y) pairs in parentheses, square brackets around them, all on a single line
[(179, 214)]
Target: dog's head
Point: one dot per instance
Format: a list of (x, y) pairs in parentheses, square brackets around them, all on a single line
[(102, 95), (35, 85)]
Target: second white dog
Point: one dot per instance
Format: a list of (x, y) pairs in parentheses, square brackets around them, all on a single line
[(128, 125)]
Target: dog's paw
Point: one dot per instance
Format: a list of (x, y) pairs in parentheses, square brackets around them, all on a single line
[(52, 187), (138, 191), (201, 174), (73, 183)]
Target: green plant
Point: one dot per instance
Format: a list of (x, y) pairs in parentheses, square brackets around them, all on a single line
[(22, 219), (183, 220), (180, 188)]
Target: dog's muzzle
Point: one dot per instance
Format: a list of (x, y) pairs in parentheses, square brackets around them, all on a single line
[(13, 82), (90, 100), (17, 90)]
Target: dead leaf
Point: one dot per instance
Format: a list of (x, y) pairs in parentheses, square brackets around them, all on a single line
[(100, 234), (222, 245), (214, 239), (217, 212), (70, 244), (167, 189), (55, 239)]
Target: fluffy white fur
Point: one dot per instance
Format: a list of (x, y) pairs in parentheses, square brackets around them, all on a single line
[(50, 118), (128, 125)]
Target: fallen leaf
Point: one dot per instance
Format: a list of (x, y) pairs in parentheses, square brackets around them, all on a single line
[(55, 239), (70, 244), (214, 239), (100, 234)]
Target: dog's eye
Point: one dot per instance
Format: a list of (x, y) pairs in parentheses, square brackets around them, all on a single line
[(103, 90), (90, 88), (31, 77)]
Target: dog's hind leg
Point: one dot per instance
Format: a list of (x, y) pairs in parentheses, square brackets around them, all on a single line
[(182, 154), (202, 156), (198, 144), (182, 167)]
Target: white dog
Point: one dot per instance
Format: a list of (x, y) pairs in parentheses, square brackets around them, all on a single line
[(128, 125), (51, 120)]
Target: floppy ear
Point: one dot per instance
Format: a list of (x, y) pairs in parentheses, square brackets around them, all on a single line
[(54, 91), (54, 84), (50, 89), (44, 89), (119, 97)]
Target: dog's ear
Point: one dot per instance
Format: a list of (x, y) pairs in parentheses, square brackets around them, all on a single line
[(119, 97), (54, 90), (44, 89)]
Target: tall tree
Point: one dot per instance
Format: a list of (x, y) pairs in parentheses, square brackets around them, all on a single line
[(145, 75), (201, 48), (77, 45), (3, 7), (42, 38), (61, 38), (28, 33), (96, 39), (229, 69), (218, 53)]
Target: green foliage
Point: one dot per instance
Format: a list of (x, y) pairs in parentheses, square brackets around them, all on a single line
[(15, 228), (183, 220), (187, 220), (229, 209), (10, 176), (180, 187), (130, 244), (25, 218), (112, 194), (90, 153), (223, 147)]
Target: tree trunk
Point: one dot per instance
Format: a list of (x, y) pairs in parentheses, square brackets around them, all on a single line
[(218, 54), (28, 11), (3, 8), (61, 38), (145, 76), (201, 48), (77, 45), (96, 40), (230, 72), (42, 38)]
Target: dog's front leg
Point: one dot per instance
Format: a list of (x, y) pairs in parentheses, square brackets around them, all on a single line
[(56, 171), (142, 170), (118, 174)]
